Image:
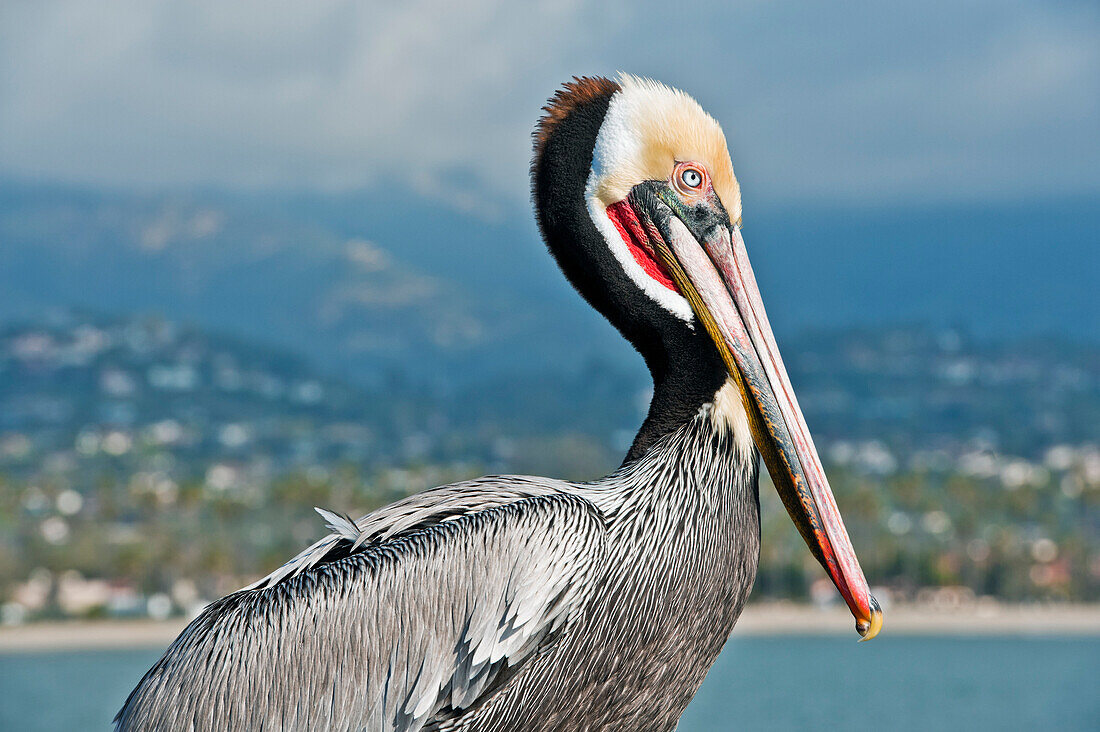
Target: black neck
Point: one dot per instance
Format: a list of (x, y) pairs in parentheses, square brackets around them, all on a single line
[(680, 388), (686, 368)]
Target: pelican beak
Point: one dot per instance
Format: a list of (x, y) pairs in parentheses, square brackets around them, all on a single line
[(705, 256)]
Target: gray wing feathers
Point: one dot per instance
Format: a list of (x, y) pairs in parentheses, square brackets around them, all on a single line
[(391, 636), (341, 525), (434, 506)]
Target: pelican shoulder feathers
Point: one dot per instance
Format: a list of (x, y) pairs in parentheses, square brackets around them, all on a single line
[(472, 578)]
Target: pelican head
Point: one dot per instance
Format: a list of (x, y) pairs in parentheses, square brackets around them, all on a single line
[(637, 200)]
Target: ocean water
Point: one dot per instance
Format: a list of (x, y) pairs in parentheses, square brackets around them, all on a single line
[(759, 683)]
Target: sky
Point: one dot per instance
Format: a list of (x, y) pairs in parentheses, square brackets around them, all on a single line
[(875, 104)]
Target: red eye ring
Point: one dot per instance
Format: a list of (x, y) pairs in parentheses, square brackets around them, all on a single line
[(689, 178)]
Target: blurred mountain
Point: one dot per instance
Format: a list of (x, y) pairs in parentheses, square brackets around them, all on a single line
[(377, 283), (994, 270), (255, 268)]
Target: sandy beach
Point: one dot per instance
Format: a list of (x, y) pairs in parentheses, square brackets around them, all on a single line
[(757, 619)]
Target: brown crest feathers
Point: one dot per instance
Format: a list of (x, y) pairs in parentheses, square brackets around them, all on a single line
[(575, 93)]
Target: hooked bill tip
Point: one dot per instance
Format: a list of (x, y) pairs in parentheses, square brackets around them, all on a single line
[(868, 629)]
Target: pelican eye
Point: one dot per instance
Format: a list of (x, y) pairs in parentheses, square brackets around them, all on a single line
[(692, 178)]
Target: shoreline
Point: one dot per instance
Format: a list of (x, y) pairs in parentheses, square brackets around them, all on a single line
[(759, 619), (915, 620)]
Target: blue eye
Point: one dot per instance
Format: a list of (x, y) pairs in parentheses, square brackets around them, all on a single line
[(691, 178)]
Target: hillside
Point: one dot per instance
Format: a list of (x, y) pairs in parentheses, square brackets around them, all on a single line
[(254, 268), (140, 454)]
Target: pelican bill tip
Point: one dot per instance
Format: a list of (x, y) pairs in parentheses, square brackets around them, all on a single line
[(868, 629)]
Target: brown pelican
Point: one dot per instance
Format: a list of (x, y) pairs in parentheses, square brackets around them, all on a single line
[(521, 603)]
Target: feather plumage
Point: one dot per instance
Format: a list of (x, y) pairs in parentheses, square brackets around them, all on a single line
[(426, 618)]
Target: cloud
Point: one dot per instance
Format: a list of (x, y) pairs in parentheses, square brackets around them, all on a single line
[(875, 103)]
